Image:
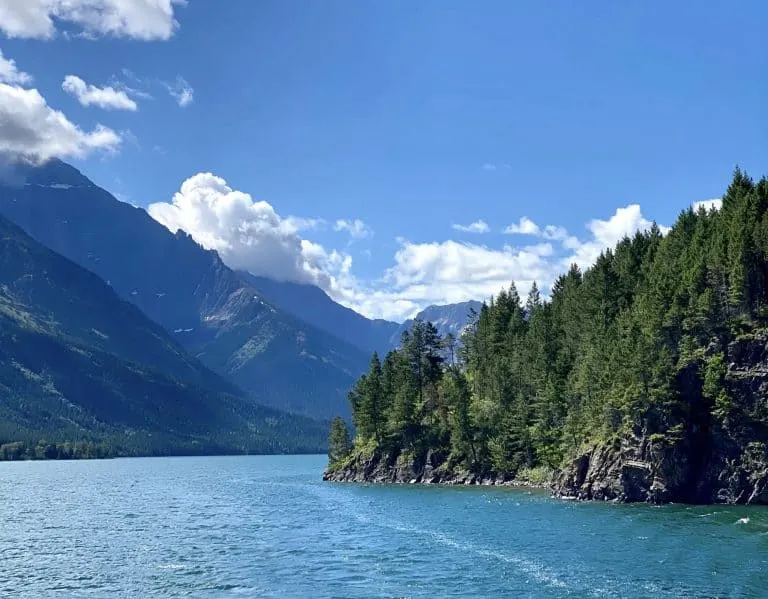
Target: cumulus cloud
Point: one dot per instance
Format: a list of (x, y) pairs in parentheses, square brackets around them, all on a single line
[(625, 222), (525, 227), (552, 232), (9, 72), (181, 91), (450, 271), (31, 128), (441, 273), (251, 235), (357, 229), (248, 234), (479, 226), (107, 97), (713, 204), (136, 19)]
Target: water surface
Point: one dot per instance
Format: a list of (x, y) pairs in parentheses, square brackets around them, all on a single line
[(269, 527)]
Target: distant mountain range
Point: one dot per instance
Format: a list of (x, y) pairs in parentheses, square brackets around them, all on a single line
[(232, 336), (79, 364), (212, 312), (313, 305), (449, 320)]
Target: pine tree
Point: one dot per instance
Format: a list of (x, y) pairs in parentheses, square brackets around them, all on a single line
[(372, 400), (339, 445), (458, 399), (611, 357)]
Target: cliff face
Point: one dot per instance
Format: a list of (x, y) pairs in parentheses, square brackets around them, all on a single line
[(713, 460), (710, 459)]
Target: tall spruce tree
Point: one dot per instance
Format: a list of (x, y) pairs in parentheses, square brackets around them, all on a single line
[(613, 354), (339, 444)]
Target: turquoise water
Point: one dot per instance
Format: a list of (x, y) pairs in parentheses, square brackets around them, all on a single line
[(269, 527)]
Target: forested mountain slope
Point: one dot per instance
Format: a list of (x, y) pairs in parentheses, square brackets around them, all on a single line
[(80, 365), (211, 311), (644, 378)]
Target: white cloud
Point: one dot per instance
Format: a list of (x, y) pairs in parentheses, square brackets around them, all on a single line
[(479, 226), (300, 223), (251, 235), (31, 128), (357, 229), (450, 261), (525, 227), (248, 235), (181, 91), (625, 222), (142, 87), (713, 204), (440, 273), (107, 98), (9, 72), (489, 166), (448, 272), (555, 233), (136, 19), (540, 249)]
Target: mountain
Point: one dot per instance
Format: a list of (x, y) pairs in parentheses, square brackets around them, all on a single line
[(221, 319), (78, 364), (449, 319), (313, 305)]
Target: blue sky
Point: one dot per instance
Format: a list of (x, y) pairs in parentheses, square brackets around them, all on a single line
[(414, 118)]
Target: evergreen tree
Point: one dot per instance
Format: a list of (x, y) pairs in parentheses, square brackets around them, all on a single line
[(339, 445), (612, 356)]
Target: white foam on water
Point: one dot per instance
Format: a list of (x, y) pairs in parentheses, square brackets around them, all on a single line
[(596, 586), (742, 521), (537, 571)]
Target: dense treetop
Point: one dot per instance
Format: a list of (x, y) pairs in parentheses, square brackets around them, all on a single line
[(617, 350)]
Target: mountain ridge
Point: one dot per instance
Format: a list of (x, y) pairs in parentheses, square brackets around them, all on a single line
[(79, 364), (311, 304), (186, 289)]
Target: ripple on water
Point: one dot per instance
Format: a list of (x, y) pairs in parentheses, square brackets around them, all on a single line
[(267, 527)]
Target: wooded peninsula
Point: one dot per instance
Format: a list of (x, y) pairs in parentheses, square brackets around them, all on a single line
[(642, 378)]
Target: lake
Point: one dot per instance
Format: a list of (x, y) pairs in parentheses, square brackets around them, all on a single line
[(267, 526)]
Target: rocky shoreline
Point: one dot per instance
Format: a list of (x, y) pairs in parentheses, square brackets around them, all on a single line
[(602, 474), (703, 462), (429, 469)]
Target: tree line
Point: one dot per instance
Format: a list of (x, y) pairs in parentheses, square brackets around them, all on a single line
[(617, 350), (42, 450)]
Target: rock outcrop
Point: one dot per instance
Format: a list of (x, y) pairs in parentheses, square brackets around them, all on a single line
[(703, 460), (710, 460), (404, 468)]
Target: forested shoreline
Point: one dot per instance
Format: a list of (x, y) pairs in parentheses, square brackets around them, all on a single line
[(645, 377), (42, 450)]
